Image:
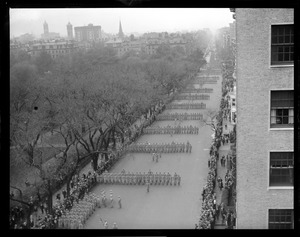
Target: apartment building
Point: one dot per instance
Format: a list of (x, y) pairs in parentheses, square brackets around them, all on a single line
[(265, 118), (88, 33), (54, 48)]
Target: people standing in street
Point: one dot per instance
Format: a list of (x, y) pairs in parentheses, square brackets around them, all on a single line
[(105, 225), (119, 201), (111, 201), (115, 226), (148, 186)]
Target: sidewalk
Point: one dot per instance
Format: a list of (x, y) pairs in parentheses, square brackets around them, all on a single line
[(221, 172)]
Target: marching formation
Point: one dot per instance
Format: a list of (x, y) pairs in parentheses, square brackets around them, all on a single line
[(180, 116), (139, 178), (200, 90), (173, 147), (80, 212), (208, 81), (208, 77), (193, 97), (172, 130), (186, 106)]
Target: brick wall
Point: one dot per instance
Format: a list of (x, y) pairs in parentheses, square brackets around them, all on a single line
[(255, 78)]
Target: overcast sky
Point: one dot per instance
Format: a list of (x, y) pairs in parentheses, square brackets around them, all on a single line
[(139, 20)]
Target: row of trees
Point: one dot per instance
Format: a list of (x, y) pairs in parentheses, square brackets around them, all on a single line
[(89, 101)]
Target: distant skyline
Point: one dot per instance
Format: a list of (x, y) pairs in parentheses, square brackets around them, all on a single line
[(139, 20)]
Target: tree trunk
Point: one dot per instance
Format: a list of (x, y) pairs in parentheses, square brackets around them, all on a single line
[(50, 199), (122, 139), (106, 144), (95, 161), (68, 184), (28, 211), (114, 139)]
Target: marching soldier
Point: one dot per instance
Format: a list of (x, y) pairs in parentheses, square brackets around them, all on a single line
[(171, 180), (144, 178), (164, 178), (160, 178), (175, 179), (111, 201), (167, 179), (104, 200), (119, 202), (156, 178)]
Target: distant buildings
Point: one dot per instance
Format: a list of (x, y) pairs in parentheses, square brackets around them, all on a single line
[(265, 122), (121, 34), (232, 33), (70, 31), (25, 38), (148, 43), (55, 48), (49, 35), (89, 33), (85, 37)]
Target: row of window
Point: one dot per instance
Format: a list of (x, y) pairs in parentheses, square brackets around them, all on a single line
[(282, 116), (53, 47), (282, 44), (282, 109), (281, 169), (281, 219)]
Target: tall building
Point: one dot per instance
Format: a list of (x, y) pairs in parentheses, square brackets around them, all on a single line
[(121, 34), (265, 118), (48, 35), (70, 31), (46, 29), (88, 33)]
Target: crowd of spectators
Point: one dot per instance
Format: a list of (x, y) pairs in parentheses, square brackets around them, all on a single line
[(209, 207), (16, 215), (210, 210)]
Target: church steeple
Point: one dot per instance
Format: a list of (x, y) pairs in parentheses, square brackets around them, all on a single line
[(121, 34)]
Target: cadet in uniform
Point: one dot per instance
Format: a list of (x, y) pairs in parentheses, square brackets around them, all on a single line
[(119, 201), (148, 186)]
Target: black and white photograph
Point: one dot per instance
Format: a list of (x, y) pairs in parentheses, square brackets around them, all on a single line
[(151, 118)]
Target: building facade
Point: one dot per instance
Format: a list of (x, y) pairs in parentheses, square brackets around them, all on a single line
[(54, 48), (265, 119), (46, 28), (49, 35), (70, 31), (88, 33)]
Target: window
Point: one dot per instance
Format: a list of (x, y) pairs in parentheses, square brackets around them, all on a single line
[(281, 168), (233, 102), (282, 109), (281, 219), (282, 44)]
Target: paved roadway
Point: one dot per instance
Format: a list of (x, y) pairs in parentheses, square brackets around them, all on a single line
[(165, 207)]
